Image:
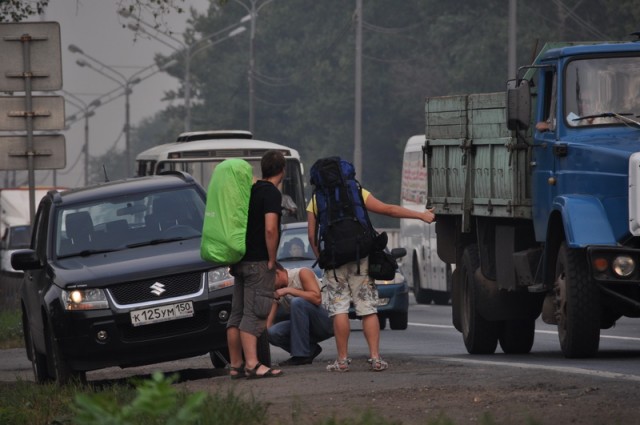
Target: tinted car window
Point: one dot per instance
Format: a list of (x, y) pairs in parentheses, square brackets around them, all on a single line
[(117, 223)]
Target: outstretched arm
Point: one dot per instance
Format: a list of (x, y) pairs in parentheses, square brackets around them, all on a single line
[(396, 211)]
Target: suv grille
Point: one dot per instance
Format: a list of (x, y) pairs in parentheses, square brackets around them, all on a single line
[(171, 286)]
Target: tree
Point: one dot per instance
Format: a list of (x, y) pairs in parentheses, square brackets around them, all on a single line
[(18, 10)]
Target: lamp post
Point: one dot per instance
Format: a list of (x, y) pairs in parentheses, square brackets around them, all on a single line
[(87, 111), (124, 82), (187, 50)]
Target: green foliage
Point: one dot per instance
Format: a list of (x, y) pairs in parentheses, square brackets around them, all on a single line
[(156, 403), (11, 335), (17, 10)]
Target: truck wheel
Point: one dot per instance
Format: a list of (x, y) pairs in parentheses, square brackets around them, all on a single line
[(58, 365), (577, 305), (399, 321), (480, 335), (516, 336), (422, 295), (219, 358)]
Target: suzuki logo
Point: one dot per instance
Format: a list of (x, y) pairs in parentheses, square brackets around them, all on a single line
[(157, 288)]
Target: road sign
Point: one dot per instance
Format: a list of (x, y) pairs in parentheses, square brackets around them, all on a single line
[(49, 152), (45, 57), (47, 112)]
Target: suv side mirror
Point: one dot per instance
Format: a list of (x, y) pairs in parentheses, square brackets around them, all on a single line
[(518, 105), (25, 259)]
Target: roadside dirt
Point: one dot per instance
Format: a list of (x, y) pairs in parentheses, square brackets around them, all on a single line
[(413, 391), (419, 391)]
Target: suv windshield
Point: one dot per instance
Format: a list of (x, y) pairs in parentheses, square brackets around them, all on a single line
[(602, 91), (135, 219)]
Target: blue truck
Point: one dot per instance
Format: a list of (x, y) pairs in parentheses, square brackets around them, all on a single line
[(537, 199)]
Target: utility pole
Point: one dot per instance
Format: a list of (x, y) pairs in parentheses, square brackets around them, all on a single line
[(511, 60), (357, 143)]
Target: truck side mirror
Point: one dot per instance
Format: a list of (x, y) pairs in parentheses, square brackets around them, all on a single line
[(518, 105)]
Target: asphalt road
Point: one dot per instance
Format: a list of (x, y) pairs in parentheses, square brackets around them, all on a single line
[(430, 335)]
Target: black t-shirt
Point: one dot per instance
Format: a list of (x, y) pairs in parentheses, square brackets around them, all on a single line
[(265, 198)]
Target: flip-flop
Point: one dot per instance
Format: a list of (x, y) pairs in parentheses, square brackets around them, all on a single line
[(253, 373)]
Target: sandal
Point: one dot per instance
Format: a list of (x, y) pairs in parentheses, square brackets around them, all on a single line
[(239, 372), (253, 373), (339, 366), (377, 364)]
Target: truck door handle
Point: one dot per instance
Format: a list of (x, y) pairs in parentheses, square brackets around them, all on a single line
[(560, 149)]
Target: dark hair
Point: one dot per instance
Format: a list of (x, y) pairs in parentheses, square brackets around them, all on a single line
[(297, 241), (279, 266), (272, 163)]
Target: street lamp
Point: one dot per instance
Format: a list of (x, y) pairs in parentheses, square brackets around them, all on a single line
[(124, 82), (87, 111), (187, 50)]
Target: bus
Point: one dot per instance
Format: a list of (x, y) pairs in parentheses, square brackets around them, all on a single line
[(198, 153), (429, 276)]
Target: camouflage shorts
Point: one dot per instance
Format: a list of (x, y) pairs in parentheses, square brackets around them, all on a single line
[(344, 286)]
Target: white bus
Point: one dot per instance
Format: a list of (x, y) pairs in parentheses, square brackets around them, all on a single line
[(429, 276), (198, 153)]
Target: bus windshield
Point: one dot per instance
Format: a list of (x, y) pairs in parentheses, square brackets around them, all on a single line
[(201, 154)]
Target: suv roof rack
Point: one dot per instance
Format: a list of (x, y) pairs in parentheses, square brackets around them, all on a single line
[(214, 134)]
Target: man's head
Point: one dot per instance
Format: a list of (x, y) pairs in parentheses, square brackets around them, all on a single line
[(272, 163), (296, 247), (282, 277)]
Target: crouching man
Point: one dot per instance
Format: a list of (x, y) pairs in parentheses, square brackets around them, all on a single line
[(298, 296)]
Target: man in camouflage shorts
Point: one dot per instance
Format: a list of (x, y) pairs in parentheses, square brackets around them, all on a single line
[(351, 283)]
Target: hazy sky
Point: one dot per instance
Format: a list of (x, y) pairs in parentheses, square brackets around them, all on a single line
[(95, 27)]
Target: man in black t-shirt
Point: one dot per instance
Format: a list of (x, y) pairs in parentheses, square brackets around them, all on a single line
[(255, 274)]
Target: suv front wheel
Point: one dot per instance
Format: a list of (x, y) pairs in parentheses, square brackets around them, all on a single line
[(57, 363)]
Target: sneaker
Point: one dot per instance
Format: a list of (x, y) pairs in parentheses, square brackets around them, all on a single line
[(296, 361), (300, 360), (377, 364), (339, 366)]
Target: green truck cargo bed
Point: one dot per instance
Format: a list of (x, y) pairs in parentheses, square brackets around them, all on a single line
[(476, 166)]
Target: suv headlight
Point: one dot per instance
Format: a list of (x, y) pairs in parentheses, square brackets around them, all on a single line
[(84, 299), (219, 278)]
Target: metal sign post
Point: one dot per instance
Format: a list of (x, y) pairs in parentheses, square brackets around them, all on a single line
[(30, 59)]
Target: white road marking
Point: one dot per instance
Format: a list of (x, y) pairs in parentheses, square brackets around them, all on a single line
[(624, 338), (575, 370)]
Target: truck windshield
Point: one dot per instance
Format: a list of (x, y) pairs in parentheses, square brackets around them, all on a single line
[(602, 91)]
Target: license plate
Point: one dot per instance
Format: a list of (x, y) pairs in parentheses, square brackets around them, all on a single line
[(162, 313)]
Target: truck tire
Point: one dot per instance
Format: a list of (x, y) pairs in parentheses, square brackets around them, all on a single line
[(516, 336), (422, 295), (480, 335), (577, 305)]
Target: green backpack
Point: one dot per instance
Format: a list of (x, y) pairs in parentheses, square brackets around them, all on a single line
[(227, 210)]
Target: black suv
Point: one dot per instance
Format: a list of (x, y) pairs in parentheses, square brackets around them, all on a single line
[(114, 278)]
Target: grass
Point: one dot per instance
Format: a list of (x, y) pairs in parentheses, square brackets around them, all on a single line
[(11, 335)]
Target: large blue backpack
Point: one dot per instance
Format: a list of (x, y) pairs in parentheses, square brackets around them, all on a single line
[(343, 230)]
